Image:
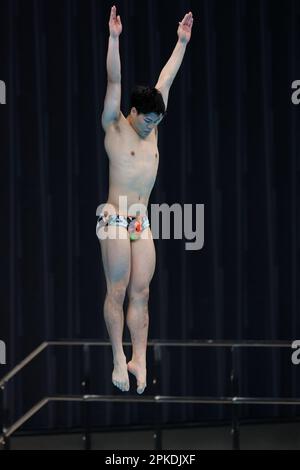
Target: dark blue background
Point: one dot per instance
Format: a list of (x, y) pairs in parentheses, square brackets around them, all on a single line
[(230, 141)]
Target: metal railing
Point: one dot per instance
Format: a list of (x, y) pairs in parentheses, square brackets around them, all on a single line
[(86, 397)]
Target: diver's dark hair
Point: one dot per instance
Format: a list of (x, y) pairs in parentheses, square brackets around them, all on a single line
[(147, 100)]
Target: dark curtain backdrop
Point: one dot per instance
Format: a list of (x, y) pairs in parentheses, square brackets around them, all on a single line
[(230, 141)]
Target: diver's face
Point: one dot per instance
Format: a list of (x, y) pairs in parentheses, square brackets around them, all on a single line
[(144, 123)]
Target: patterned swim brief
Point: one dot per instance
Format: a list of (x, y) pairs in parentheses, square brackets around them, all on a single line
[(134, 225)]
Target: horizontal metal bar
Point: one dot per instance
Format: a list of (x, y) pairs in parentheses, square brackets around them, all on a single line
[(182, 343), (178, 399), (134, 399), (167, 343), (147, 399), (265, 401)]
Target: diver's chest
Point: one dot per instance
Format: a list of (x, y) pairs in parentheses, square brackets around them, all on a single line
[(123, 147), (135, 153), (144, 153), (139, 160)]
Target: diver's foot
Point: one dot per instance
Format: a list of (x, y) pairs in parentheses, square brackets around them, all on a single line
[(140, 372), (120, 374)]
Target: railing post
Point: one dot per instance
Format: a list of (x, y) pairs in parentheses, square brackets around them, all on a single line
[(2, 419), (5, 442), (85, 391), (157, 436), (234, 378)]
